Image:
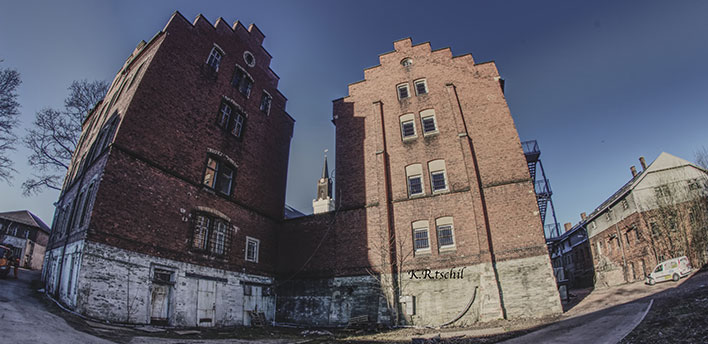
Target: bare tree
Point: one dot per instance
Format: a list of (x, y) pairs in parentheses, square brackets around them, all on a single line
[(702, 157), (55, 135), (9, 110)]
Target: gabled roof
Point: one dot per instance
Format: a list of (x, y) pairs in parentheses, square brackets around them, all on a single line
[(25, 217), (663, 162)]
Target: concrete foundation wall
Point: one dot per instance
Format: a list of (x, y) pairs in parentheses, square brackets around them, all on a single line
[(529, 288), (118, 285)]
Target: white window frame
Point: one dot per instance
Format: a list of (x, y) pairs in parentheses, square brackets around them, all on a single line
[(269, 102), (445, 222), (408, 118), (425, 114), (417, 226), (414, 171), (257, 244), (438, 167), (418, 82), (398, 91), (214, 51)]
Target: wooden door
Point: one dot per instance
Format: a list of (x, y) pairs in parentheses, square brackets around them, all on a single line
[(206, 303)]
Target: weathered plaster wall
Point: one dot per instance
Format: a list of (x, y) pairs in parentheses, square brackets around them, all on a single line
[(116, 285)]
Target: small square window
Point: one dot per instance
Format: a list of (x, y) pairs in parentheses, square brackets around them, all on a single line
[(438, 181), (252, 249), (429, 125), (415, 185), (408, 129), (421, 87), (214, 58), (403, 91), (625, 204)]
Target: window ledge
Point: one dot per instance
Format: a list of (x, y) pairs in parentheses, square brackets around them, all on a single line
[(410, 138), (420, 195), (424, 252), (432, 133), (447, 249)]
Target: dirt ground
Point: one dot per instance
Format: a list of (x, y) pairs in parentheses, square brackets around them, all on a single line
[(678, 315)]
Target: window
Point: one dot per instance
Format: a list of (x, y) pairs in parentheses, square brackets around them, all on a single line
[(662, 191), (626, 238), (266, 99), (414, 176), (249, 59), (218, 176), (437, 175), (421, 87), (215, 58), (211, 234), (238, 125), (625, 204), (407, 126), (445, 232), (242, 81), (224, 115), (607, 216), (427, 117), (252, 249), (403, 91), (421, 240), (407, 62), (231, 119)]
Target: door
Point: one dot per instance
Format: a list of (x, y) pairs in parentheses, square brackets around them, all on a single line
[(206, 303), (160, 304)]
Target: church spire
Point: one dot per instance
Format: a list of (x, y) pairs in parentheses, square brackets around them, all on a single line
[(323, 203)]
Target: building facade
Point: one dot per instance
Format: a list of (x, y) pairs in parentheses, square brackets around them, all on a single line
[(173, 209), (27, 234), (170, 209), (661, 213), (436, 220)]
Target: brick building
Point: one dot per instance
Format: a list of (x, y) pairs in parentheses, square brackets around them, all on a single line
[(172, 211), (27, 234), (660, 213), (170, 208), (436, 219)]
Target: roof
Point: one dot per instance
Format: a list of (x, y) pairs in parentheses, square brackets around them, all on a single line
[(663, 162), (25, 217), (291, 213)]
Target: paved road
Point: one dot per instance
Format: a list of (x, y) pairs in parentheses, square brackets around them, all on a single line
[(604, 326), (23, 319)]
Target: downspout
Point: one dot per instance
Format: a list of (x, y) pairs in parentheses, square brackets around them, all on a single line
[(485, 212), (378, 107)]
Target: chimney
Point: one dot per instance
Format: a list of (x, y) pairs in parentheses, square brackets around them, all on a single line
[(643, 162), (583, 216), (634, 171), (568, 226)]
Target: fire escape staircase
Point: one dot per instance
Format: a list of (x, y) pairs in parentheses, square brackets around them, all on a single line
[(542, 187)]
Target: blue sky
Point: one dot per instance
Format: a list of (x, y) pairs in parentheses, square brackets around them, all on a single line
[(597, 83)]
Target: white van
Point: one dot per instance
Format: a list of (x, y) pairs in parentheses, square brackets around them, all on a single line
[(672, 269)]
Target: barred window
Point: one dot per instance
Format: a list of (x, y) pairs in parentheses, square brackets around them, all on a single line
[(438, 175), (421, 241), (446, 236), (427, 117), (211, 234), (421, 87), (403, 91), (414, 178)]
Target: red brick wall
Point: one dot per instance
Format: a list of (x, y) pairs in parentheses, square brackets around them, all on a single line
[(493, 150)]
